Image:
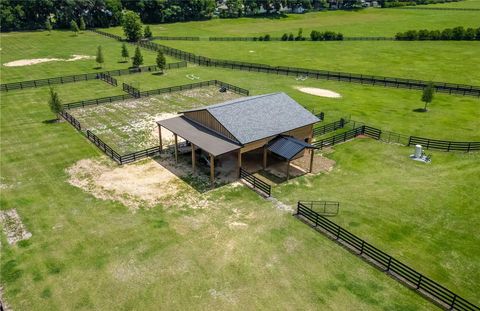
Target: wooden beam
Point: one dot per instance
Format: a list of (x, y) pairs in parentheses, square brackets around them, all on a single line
[(312, 153), (239, 162), (193, 158), (176, 147), (288, 170), (212, 169), (265, 157), (160, 137)]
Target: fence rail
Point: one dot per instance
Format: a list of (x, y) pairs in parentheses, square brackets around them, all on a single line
[(444, 87), (83, 77), (190, 86), (428, 143), (70, 119), (436, 292), (175, 38), (255, 182), (109, 79), (439, 9), (131, 90), (280, 39), (325, 208), (330, 127), (96, 101)]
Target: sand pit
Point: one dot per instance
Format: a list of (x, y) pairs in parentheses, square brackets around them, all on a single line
[(144, 184), (13, 227), (34, 61), (318, 92)]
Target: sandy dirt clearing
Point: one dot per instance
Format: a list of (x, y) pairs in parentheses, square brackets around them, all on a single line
[(34, 61), (318, 92)]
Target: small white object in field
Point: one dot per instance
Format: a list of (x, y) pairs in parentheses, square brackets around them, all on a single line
[(418, 151), (319, 92), (251, 51), (34, 61)]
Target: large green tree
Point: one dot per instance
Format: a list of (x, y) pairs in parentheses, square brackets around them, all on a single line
[(132, 25)]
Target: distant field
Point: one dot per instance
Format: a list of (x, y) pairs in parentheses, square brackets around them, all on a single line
[(438, 61), (450, 117), (470, 4), (368, 22), (60, 44)]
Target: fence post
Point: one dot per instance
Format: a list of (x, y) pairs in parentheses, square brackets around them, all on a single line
[(453, 301), (338, 232), (419, 281), (389, 263), (361, 249)]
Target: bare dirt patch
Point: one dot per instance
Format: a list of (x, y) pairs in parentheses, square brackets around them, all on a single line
[(34, 61), (13, 227), (320, 164), (143, 184), (318, 92)]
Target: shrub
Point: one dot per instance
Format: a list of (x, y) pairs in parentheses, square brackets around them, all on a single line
[(435, 35), (447, 34), (477, 36), (266, 38), (329, 36), (423, 34), (339, 36), (290, 37), (284, 37), (260, 38), (147, 33), (469, 34), (137, 60), (82, 24), (458, 33)]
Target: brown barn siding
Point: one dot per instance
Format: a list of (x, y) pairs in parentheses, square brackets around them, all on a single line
[(205, 118)]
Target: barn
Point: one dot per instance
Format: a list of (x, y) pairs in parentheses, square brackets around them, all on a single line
[(273, 123)]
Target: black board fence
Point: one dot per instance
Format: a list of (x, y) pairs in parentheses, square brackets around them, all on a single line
[(348, 135), (330, 127), (190, 86), (405, 274), (276, 39), (70, 119), (324, 208), (96, 101), (255, 182), (84, 77), (444, 145), (108, 78), (439, 9), (443, 87), (131, 90), (174, 38)]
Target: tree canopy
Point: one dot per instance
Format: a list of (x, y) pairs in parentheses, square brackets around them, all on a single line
[(132, 25)]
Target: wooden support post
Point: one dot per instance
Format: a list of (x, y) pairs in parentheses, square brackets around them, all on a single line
[(160, 137), (265, 157), (193, 158), (312, 153), (288, 170), (212, 170), (176, 147), (239, 162)]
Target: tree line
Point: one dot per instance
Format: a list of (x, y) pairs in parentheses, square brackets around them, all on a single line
[(32, 14), (457, 33)]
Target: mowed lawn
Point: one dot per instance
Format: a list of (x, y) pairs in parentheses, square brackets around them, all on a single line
[(425, 215), (61, 44), (87, 253), (449, 117), (465, 4), (444, 61), (367, 22)]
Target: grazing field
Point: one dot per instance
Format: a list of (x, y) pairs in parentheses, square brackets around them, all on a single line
[(450, 117), (85, 249), (149, 235), (368, 22), (426, 218), (130, 125), (445, 61), (468, 4), (60, 45)]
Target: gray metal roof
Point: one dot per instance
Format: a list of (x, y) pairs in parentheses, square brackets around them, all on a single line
[(199, 135), (288, 147), (253, 118)]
